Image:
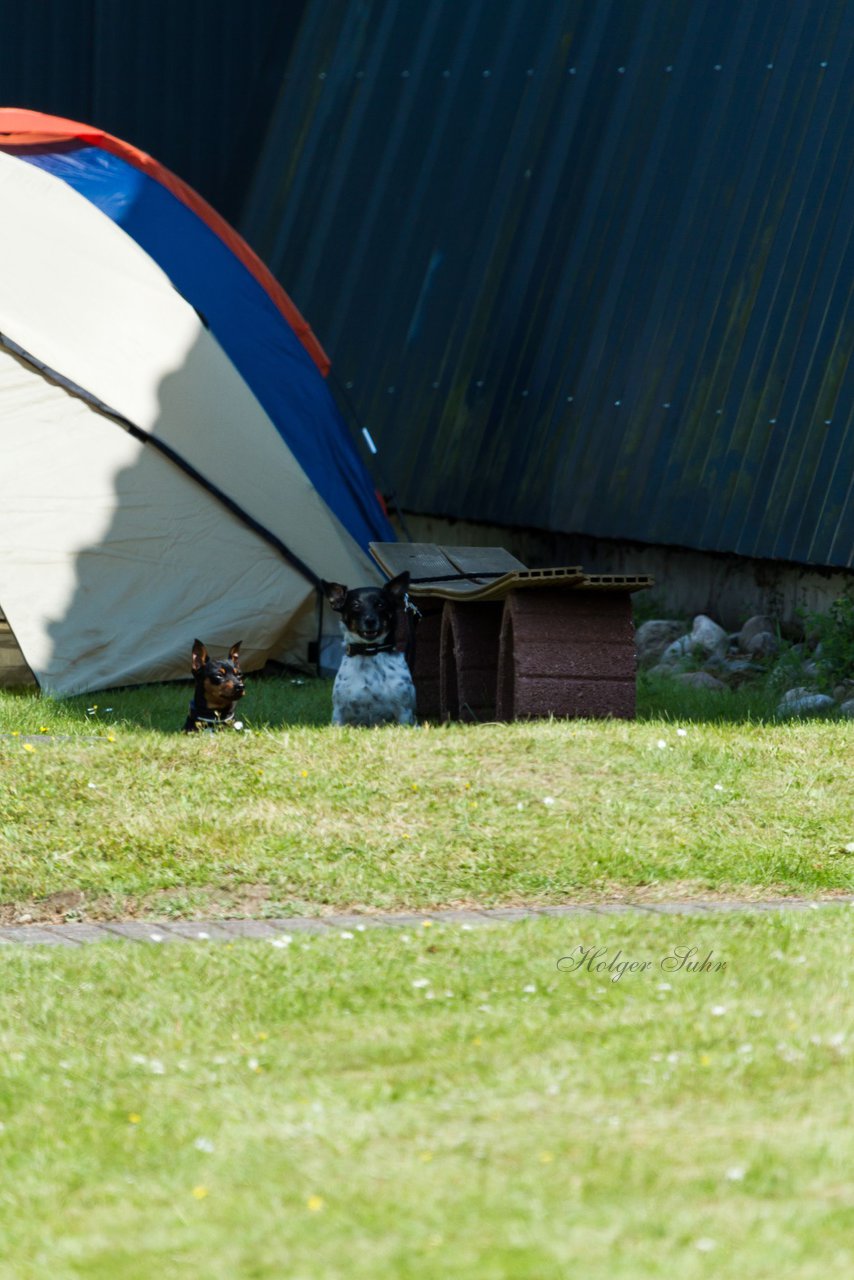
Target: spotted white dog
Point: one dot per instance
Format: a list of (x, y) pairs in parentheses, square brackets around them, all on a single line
[(373, 685)]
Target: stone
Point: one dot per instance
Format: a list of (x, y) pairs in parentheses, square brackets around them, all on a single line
[(708, 637), (753, 627), (847, 709), (762, 645), (796, 694), (652, 638), (737, 671), (802, 701), (701, 680), (844, 690), (675, 652)]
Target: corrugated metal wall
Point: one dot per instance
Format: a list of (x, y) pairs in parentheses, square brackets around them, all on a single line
[(191, 81), (583, 266)]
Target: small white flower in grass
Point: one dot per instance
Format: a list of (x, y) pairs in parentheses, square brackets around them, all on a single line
[(204, 937), (284, 941), (253, 1064), (745, 1049), (91, 786), (718, 1010), (548, 801), (837, 1040), (849, 848), (718, 787), (530, 989), (360, 928), (664, 986), (736, 1173), (682, 733), (520, 806), (705, 1245), (156, 937), (757, 1013), (204, 1144), (467, 928), (157, 1068), (421, 982), (345, 933), (139, 1059), (673, 1057), (661, 744)]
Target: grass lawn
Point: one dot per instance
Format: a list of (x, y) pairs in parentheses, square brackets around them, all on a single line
[(432, 1103), (109, 801)]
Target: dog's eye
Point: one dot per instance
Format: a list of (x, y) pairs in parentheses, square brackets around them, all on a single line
[(357, 608)]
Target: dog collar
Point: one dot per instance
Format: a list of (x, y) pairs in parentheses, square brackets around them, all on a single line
[(216, 722), (369, 650)]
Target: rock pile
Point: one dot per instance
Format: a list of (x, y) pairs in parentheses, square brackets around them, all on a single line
[(709, 657)]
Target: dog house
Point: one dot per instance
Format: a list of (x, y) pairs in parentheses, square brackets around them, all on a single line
[(498, 641)]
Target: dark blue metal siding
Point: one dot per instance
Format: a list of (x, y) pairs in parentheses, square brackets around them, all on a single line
[(587, 266), (190, 81)]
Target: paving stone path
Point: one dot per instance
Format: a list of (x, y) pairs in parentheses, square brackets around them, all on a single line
[(157, 932)]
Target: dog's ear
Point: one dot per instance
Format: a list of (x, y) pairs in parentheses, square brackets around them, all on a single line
[(234, 652), (398, 587), (200, 655), (335, 593)]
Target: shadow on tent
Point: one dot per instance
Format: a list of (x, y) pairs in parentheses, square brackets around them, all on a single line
[(165, 562)]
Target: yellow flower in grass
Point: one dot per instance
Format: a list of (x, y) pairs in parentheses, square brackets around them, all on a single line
[(315, 1204), (200, 1192), (111, 737), (28, 746), (44, 729), (133, 1118)]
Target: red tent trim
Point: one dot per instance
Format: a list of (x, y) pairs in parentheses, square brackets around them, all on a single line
[(20, 128)]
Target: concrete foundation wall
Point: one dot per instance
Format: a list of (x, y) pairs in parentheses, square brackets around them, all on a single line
[(729, 589)]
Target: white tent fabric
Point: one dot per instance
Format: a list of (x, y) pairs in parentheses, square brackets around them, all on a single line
[(113, 558)]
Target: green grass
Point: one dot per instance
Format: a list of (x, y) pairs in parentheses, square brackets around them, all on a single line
[(139, 817), (437, 1103)]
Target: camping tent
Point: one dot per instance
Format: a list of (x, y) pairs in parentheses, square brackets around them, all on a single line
[(172, 463)]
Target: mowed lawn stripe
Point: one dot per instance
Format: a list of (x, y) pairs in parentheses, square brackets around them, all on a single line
[(432, 1102), (392, 818)]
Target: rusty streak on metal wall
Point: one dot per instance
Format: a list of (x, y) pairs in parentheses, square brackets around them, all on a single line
[(583, 266)]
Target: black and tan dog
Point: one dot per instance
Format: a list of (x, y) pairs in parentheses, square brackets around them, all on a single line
[(219, 687)]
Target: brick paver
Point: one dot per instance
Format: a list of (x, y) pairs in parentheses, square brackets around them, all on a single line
[(158, 932)]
